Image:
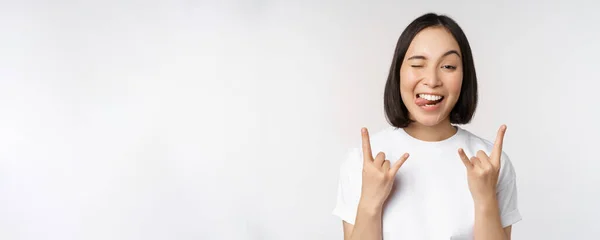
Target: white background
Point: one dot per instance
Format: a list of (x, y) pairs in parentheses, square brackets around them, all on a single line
[(228, 120)]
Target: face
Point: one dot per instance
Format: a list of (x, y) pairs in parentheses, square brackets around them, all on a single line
[(431, 76)]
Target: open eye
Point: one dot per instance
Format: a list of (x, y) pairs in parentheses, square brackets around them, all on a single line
[(449, 67)]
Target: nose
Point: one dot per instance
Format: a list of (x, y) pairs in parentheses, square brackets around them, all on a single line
[(431, 79)]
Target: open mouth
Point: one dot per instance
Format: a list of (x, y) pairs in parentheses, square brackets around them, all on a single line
[(428, 100)]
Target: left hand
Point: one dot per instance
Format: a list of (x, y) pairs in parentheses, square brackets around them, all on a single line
[(483, 171)]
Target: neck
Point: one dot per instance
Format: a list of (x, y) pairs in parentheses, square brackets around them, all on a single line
[(439, 132)]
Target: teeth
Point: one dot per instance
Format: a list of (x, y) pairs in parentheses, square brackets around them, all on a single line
[(430, 97)]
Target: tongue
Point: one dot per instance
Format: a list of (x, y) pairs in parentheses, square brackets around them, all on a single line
[(423, 101)]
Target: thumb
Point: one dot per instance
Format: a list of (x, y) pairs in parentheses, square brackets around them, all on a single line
[(399, 163)]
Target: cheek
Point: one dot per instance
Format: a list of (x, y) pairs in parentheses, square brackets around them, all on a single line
[(408, 81), (454, 83)]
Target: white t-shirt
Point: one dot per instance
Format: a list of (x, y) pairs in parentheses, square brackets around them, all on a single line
[(431, 197)]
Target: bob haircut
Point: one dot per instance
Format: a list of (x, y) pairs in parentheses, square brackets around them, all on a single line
[(396, 112)]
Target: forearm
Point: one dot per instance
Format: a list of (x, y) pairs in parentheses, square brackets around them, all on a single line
[(488, 225), (368, 224)]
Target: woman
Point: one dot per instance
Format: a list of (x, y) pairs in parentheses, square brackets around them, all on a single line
[(456, 185)]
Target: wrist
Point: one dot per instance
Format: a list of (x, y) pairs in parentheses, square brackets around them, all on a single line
[(370, 209), (486, 204)]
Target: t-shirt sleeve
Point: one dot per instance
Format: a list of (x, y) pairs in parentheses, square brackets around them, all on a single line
[(507, 193), (349, 187)]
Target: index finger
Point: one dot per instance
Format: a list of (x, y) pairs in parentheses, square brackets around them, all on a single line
[(366, 145), (497, 151), (464, 158)]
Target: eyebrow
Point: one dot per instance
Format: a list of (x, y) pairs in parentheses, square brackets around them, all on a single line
[(445, 54)]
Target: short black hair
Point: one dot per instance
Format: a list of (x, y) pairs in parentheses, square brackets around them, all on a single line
[(396, 112)]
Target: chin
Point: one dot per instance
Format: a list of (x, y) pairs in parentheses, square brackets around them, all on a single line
[(428, 121)]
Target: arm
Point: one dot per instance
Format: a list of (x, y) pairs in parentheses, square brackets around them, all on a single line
[(488, 223), (378, 177), (483, 173), (368, 225)]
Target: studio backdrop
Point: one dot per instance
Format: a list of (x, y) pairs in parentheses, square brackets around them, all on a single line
[(230, 119)]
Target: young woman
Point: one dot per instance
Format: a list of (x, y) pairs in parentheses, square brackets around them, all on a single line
[(455, 185)]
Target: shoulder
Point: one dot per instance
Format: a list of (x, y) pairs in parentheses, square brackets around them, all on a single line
[(477, 142), (380, 141), (383, 137)]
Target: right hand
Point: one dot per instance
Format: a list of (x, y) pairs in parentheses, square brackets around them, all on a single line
[(377, 175)]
